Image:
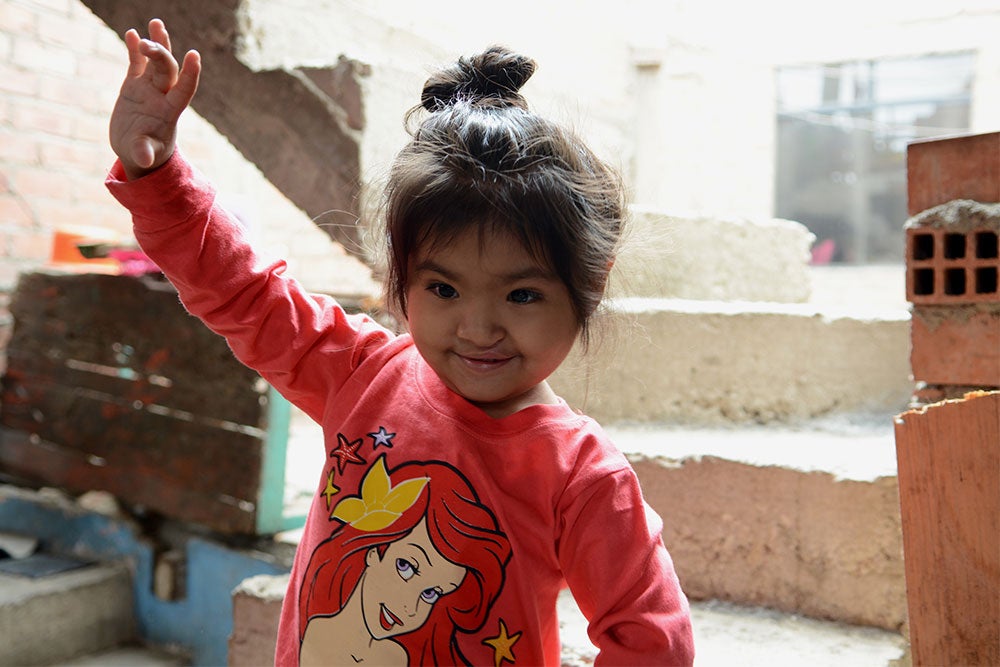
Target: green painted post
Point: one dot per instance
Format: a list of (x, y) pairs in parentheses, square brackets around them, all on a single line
[(271, 501)]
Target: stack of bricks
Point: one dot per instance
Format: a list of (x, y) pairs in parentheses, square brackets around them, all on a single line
[(952, 265)]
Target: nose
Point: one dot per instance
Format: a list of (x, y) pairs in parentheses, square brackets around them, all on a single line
[(480, 325)]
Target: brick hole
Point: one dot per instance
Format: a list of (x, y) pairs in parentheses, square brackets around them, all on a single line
[(986, 280), (923, 246), (986, 245), (954, 281), (923, 281), (954, 246)]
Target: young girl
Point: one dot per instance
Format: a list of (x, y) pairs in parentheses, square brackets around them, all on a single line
[(460, 494)]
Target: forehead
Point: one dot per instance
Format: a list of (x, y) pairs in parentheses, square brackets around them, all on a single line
[(481, 250)]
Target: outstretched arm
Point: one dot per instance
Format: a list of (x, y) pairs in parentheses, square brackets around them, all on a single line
[(155, 91)]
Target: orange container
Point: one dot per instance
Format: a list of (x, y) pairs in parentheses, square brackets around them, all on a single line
[(66, 255)]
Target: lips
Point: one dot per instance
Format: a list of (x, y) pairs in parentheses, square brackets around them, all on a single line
[(387, 618), (484, 362)]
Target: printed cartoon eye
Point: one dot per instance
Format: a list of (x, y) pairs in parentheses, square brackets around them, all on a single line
[(523, 296), (405, 568), (443, 290), (430, 595)]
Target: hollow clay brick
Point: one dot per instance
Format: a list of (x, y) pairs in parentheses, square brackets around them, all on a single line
[(940, 170), (956, 345), (949, 494)]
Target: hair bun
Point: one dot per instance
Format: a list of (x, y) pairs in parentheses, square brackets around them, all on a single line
[(491, 78)]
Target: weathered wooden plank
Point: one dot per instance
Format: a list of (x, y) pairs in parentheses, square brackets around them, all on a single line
[(143, 484), (102, 332), (114, 386), (949, 487), (203, 456)]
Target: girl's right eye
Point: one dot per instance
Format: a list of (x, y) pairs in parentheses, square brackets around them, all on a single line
[(443, 290), (405, 569)]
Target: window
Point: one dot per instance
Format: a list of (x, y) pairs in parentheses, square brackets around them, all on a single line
[(842, 131)]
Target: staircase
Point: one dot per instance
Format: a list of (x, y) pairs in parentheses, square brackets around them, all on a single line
[(754, 396)]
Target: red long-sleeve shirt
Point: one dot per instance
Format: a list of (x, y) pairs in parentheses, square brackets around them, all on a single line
[(531, 501)]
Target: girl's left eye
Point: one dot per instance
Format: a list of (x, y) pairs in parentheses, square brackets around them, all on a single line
[(522, 296), (430, 595)]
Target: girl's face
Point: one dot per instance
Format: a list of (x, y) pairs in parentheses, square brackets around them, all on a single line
[(400, 588), (490, 320)]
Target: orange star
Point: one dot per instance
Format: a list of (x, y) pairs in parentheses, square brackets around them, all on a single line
[(502, 645), (331, 490)]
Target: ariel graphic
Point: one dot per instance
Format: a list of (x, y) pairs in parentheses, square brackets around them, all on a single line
[(417, 559)]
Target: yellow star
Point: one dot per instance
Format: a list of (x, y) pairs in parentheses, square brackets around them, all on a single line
[(502, 645), (330, 491)]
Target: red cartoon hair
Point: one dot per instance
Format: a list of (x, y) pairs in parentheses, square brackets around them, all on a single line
[(461, 528)]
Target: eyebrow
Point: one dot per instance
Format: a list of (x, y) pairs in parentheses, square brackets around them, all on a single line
[(527, 273), (426, 556)]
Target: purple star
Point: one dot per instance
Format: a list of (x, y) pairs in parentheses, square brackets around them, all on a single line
[(382, 437)]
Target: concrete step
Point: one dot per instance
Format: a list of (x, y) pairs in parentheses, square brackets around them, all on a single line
[(52, 618), (714, 362), (727, 635), (802, 519), (126, 656)]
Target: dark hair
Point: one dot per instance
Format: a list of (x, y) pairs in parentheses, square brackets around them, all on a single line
[(480, 159)]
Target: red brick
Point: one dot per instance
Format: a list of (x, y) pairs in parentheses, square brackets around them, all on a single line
[(17, 148), (75, 94), (15, 212), (91, 127), (108, 43), (87, 156), (106, 73), (33, 246), (940, 170), (62, 30), (17, 80), (60, 6), (949, 498), (55, 213), (17, 19), (46, 57), (35, 182), (956, 345), (45, 118)]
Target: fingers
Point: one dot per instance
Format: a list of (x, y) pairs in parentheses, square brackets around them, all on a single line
[(187, 82), (158, 33), (161, 68), (152, 57), (136, 61)]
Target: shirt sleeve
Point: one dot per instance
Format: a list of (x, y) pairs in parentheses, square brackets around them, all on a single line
[(618, 569), (305, 345)]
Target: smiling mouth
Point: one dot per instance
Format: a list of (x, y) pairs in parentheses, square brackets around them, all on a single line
[(387, 618), (484, 363)]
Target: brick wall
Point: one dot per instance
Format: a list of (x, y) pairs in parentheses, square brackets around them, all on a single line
[(55, 62), (60, 69)]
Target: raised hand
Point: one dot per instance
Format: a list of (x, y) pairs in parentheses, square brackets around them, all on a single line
[(143, 126)]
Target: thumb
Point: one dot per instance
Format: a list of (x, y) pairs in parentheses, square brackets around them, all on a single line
[(143, 152)]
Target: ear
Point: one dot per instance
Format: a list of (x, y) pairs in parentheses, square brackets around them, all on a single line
[(371, 558)]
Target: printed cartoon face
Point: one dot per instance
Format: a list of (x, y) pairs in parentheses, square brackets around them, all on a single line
[(400, 588), (490, 320)]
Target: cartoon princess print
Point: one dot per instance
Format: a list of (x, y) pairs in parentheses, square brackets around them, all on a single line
[(416, 560)]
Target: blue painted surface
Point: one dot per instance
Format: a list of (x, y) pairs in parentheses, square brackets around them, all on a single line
[(201, 622)]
